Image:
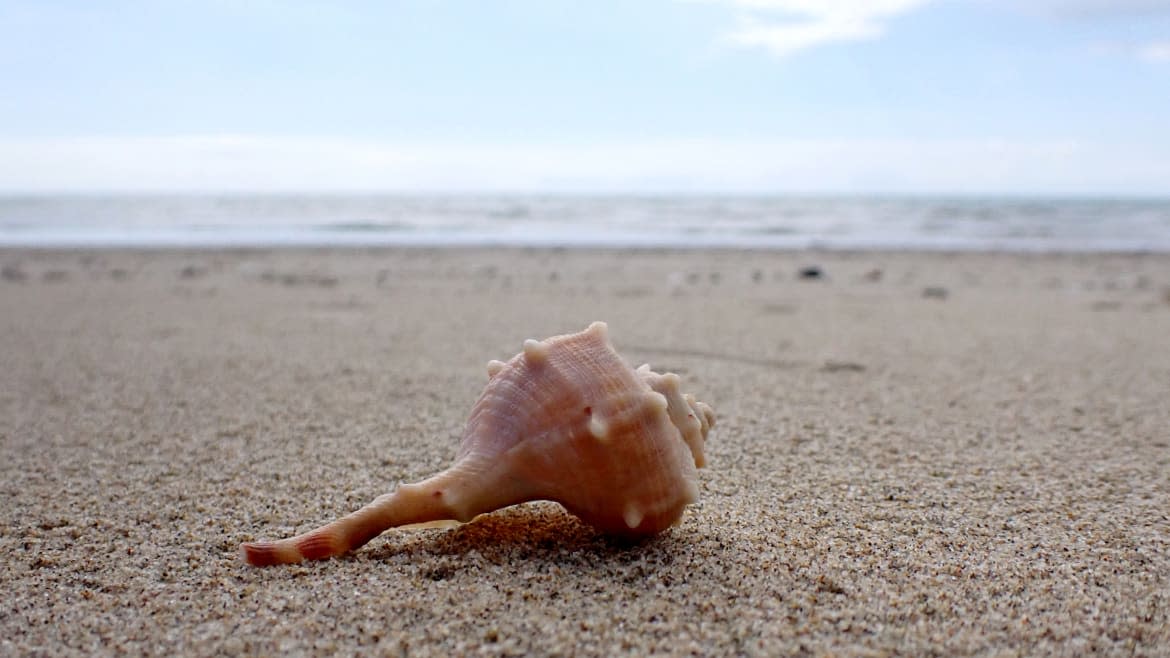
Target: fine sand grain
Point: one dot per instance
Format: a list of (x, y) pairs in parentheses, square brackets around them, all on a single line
[(926, 454)]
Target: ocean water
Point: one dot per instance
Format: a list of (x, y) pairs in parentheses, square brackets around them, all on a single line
[(683, 221)]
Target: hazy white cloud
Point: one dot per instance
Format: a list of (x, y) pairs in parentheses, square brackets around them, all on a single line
[(829, 7), (293, 164), (786, 26), (1158, 51), (1092, 8), (782, 39), (1153, 51)]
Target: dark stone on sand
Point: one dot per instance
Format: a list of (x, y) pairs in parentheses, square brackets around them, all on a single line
[(935, 292), (810, 272)]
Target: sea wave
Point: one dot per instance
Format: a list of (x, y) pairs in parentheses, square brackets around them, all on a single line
[(742, 222)]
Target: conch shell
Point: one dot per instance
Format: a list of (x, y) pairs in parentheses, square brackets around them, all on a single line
[(567, 420)]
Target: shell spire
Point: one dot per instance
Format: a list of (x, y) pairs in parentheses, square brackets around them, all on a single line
[(567, 420)]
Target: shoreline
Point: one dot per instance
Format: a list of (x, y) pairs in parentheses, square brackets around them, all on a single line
[(363, 242)]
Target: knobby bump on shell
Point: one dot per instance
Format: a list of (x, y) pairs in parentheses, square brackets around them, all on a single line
[(567, 420)]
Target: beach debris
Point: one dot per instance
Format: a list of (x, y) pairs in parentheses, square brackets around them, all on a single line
[(568, 420), (295, 279), (842, 366), (810, 273), (192, 272), (778, 309), (13, 273), (874, 275), (632, 292), (935, 292)]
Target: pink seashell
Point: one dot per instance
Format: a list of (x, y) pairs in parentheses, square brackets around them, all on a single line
[(567, 420)]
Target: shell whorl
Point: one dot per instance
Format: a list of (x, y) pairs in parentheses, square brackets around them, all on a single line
[(616, 446), (693, 419)]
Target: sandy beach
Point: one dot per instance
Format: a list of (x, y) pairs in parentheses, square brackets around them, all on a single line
[(916, 454)]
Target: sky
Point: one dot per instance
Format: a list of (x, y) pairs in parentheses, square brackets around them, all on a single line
[(879, 97)]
